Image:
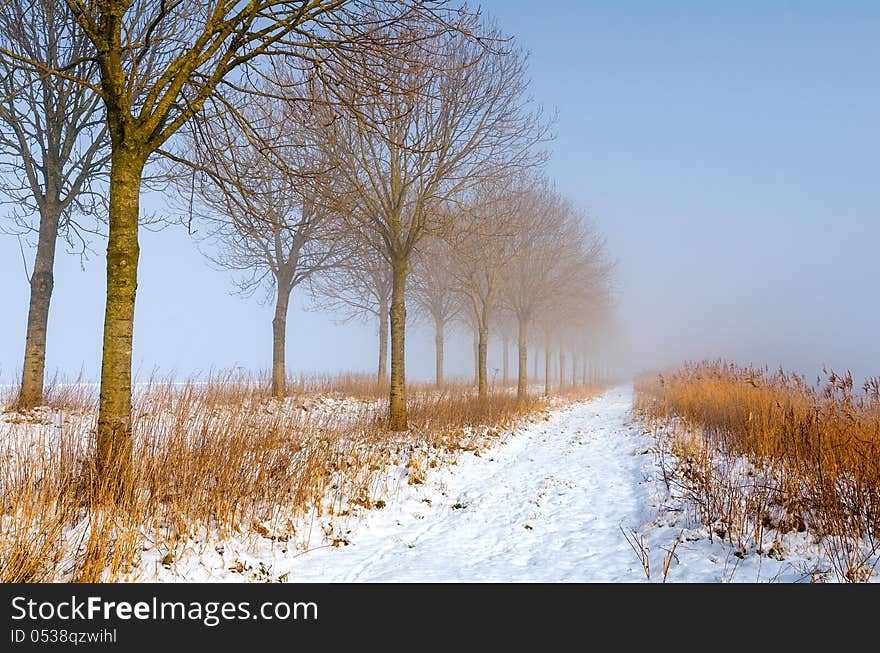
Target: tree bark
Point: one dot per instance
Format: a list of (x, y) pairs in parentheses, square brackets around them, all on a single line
[(535, 366), (279, 341), (522, 371), (505, 361), (548, 369), (123, 250), (42, 283), (561, 368), (383, 342), (438, 349), (397, 405), (477, 356), (482, 356)]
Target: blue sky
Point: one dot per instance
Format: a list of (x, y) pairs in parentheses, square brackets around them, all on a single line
[(729, 151)]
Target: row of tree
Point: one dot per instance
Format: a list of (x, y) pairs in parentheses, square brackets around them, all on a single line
[(376, 151)]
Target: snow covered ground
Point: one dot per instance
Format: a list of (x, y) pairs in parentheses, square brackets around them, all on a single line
[(575, 497), (545, 506)]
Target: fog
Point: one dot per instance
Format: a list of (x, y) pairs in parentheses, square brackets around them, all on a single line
[(729, 155)]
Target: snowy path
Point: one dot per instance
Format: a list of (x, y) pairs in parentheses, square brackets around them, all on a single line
[(545, 506)]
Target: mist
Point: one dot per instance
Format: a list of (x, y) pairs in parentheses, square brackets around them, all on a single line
[(729, 159)]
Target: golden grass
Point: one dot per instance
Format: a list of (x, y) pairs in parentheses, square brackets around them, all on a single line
[(814, 453), (216, 458)]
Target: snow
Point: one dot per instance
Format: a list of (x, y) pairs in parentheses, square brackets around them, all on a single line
[(545, 506), (577, 496)]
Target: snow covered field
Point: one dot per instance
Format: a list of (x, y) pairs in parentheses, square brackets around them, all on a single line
[(576, 497)]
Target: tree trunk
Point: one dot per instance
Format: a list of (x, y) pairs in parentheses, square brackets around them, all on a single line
[(505, 361), (279, 339), (383, 342), (522, 371), (42, 282), (535, 366), (561, 368), (482, 356), (397, 407), (123, 250), (574, 369), (438, 350), (476, 356), (548, 369)]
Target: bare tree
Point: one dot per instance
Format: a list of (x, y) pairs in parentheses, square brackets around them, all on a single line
[(598, 330), (580, 292), (53, 148), (507, 331), (559, 263), (522, 295), (468, 321), (271, 222), (434, 293), (159, 63), (483, 246), (358, 287), (448, 110)]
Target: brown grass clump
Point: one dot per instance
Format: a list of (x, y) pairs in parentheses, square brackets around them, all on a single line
[(216, 458), (764, 452)]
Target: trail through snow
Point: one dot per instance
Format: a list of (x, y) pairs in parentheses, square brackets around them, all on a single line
[(548, 505)]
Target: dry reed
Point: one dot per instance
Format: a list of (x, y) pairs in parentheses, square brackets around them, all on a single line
[(763, 454), (215, 458)]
